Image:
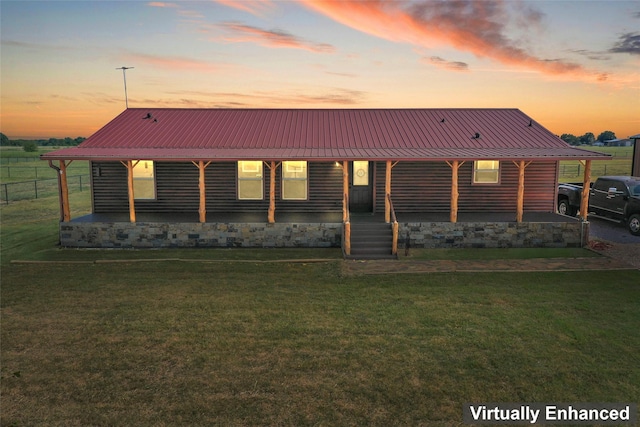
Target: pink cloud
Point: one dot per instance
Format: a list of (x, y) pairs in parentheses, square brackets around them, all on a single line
[(477, 27), (162, 4), (176, 63), (271, 38), (255, 7)]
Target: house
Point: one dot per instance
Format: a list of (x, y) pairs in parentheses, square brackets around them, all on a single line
[(619, 143), (366, 180)]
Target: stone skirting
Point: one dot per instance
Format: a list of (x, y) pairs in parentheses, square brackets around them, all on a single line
[(194, 235), (288, 235), (493, 234)]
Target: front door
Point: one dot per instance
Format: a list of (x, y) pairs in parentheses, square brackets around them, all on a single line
[(360, 187)]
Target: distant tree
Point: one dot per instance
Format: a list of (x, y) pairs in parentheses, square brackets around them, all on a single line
[(570, 139), (607, 135), (30, 146), (4, 140), (588, 138)]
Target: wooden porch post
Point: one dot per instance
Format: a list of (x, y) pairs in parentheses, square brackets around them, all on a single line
[(202, 209), (586, 188), (387, 192), (272, 193), (345, 191), (64, 192), (455, 166), (132, 209), (520, 200)]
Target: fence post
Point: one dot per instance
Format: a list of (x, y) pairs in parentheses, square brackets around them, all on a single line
[(6, 193), (35, 186), (80, 176)]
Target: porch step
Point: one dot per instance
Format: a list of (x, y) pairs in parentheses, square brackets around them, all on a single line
[(371, 240)]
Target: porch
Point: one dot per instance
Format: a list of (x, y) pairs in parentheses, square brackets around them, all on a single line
[(323, 229)]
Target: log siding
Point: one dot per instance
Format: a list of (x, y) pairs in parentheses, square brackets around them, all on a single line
[(426, 187), (177, 189)]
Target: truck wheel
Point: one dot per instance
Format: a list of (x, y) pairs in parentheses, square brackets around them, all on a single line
[(564, 208), (634, 224)]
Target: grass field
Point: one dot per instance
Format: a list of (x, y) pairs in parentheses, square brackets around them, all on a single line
[(249, 343), (620, 164)]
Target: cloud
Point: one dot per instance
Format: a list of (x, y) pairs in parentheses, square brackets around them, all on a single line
[(448, 65), (162, 4), (257, 99), (176, 63), (255, 7), (627, 43), (271, 38), (478, 27)]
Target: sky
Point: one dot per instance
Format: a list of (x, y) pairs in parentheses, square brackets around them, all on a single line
[(573, 66)]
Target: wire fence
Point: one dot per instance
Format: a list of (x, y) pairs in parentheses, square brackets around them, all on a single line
[(22, 172), (577, 170), (34, 189)]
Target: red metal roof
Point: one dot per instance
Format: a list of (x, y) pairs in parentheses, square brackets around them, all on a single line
[(327, 134)]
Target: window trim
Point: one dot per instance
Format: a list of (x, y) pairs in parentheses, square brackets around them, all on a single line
[(475, 170), (243, 164), (283, 180)]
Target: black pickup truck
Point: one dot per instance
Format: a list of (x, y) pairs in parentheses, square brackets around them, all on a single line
[(611, 197)]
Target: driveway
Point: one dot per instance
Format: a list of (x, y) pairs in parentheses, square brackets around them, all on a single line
[(610, 231), (615, 241)]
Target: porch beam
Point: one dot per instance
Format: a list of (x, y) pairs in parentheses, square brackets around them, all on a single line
[(129, 164), (586, 188)]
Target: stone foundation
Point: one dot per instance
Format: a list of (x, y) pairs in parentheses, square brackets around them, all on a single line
[(492, 235), (322, 235), (195, 235)]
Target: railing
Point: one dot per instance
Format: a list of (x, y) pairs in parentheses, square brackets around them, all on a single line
[(34, 189), (346, 236), (394, 227)]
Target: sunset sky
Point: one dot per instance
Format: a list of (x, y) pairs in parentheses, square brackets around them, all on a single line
[(574, 66)]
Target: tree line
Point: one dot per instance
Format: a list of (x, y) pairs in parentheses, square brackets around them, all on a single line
[(33, 144), (588, 138)]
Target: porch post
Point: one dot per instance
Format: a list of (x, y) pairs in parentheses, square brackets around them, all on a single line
[(387, 193), (520, 201), (64, 192), (132, 209), (455, 166), (272, 193), (586, 188), (345, 191), (202, 209)]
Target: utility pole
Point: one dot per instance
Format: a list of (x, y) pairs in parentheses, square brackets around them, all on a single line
[(124, 76)]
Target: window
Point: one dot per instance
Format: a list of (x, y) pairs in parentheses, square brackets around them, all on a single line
[(294, 180), (250, 186), (144, 181), (360, 172), (486, 172)]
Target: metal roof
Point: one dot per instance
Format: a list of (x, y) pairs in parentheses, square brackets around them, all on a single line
[(322, 134)]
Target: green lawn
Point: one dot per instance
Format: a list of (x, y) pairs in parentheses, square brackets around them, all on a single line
[(253, 343)]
